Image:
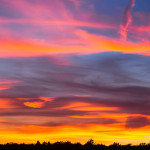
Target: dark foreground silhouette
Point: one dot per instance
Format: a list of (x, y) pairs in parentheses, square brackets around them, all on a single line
[(69, 146)]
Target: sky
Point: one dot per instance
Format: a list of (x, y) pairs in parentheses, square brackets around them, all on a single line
[(74, 70)]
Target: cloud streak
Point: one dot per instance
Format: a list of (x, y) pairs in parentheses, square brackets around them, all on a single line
[(126, 20)]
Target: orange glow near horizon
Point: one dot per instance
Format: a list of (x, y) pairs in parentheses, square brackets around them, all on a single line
[(28, 134)]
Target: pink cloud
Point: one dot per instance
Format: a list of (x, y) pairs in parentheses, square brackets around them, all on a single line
[(126, 20)]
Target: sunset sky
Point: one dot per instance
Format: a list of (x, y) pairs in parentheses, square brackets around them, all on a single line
[(72, 70)]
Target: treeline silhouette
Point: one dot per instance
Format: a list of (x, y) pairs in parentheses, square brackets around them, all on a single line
[(90, 145)]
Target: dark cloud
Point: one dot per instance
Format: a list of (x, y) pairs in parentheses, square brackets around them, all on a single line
[(54, 117), (82, 122), (137, 122), (41, 112), (109, 79)]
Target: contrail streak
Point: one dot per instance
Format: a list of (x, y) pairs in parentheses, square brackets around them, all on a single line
[(126, 20)]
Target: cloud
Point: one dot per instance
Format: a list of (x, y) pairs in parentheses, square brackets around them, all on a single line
[(82, 122), (127, 19), (137, 122), (109, 79), (43, 31), (78, 90), (40, 112), (98, 91)]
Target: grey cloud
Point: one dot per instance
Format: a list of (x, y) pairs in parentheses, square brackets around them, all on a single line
[(113, 79), (137, 122)]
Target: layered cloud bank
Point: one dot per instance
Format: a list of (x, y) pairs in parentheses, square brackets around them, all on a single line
[(76, 91)]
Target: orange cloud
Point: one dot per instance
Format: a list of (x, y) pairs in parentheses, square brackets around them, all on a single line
[(75, 105), (48, 99), (34, 104), (92, 44), (7, 103), (13, 48), (103, 44), (84, 106)]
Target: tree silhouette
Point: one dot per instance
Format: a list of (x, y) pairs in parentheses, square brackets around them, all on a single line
[(89, 145)]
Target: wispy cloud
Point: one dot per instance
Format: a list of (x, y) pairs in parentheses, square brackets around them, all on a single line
[(126, 20)]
